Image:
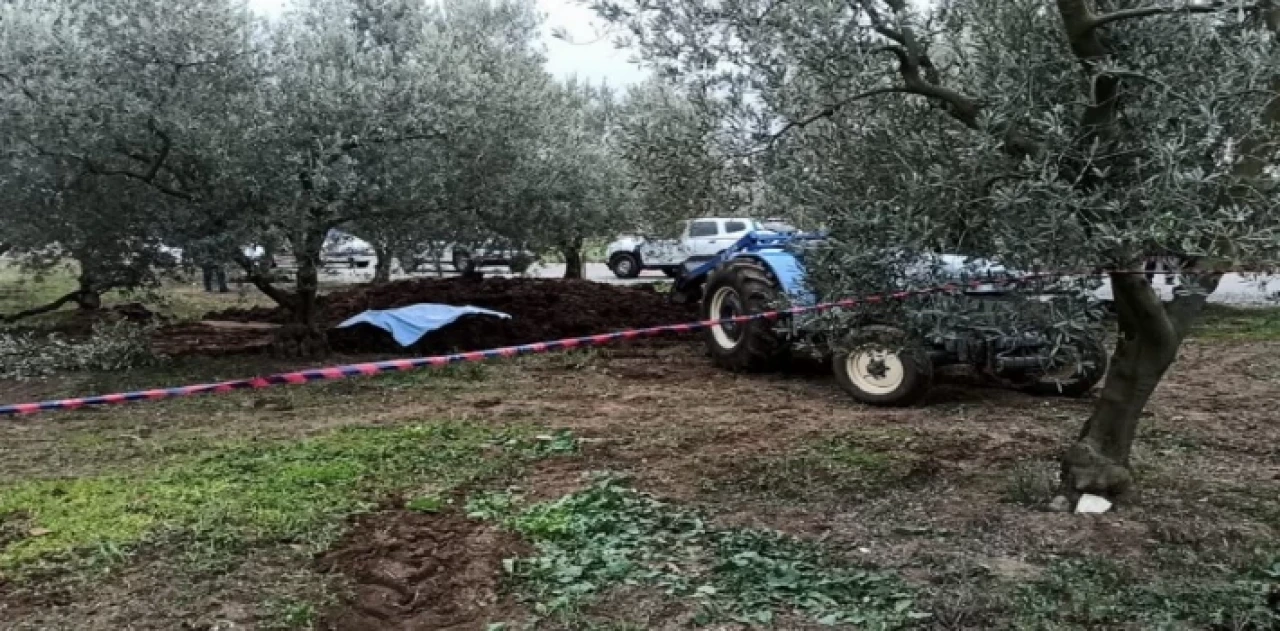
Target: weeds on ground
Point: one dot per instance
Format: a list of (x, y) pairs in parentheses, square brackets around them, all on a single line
[(21, 289), (841, 467), (113, 346), (610, 535), (1030, 483), (289, 614), (1095, 593), (468, 372), (1236, 324), (246, 494), (574, 360)]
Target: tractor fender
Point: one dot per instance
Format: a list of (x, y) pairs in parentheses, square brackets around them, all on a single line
[(789, 272)]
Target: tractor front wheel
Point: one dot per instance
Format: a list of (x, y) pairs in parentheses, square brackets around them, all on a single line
[(743, 288), (881, 369)]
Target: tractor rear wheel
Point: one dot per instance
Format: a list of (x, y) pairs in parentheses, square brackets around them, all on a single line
[(743, 288), (1078, 367)]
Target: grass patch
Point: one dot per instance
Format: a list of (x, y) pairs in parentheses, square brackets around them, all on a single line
[(22, 290), (1030, 483), (286, 614), (246, 494), (847, 466), (1098, 593), (609, 536), (177, 298), (1236, 324)]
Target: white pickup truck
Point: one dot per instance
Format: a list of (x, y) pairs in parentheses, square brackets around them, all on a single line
[(701, 237)]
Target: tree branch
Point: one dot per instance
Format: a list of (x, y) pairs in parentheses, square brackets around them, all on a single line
[(263, 283), (166, 145), (22, 87), (53, 306), (830, 111), (879, 24), (1143, 12)]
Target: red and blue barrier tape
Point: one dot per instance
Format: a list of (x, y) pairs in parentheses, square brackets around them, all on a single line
[(402, 365)]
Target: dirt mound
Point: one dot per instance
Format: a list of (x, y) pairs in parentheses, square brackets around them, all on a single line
[(541, 309), (417, 571)]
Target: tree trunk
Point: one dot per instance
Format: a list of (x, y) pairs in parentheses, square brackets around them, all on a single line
[(382, 270), (88, 297), (304, 337), (1150, 335), (574, 266)]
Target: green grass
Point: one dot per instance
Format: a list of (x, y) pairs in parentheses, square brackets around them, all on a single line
[(1099, 593), (609, 536), (1030, 483), (1236, 324), (21, 290), (244, 494), (843, 466)]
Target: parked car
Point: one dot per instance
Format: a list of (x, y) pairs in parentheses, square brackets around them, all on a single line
[(470, 256), (700, 238), (347, 251)]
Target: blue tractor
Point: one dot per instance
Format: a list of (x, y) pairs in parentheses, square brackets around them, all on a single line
[(878, 362)]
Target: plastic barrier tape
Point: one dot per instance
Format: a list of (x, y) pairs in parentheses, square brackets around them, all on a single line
[(401, 365)]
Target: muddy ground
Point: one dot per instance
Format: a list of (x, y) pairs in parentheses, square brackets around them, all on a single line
[(954, 504), (959, 509), (540, 310)]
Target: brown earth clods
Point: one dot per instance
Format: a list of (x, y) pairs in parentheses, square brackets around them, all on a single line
[(421, 571), (540, 310)]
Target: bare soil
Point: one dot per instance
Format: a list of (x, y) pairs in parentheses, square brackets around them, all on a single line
[(956, 502), (541, 310), (414, 571), (953, 514)]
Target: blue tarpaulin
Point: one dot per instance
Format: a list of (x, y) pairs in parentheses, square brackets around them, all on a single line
[(407, 325)]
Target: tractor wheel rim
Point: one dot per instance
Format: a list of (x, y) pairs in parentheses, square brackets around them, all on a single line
[(1065, 369), (725, 304), (875, 371)]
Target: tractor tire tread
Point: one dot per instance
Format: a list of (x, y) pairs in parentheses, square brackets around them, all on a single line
[(761, 349)]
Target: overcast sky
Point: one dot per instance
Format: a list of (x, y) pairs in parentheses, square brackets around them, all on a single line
[(592, 57)]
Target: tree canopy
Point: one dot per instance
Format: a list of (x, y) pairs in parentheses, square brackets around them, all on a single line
[(1071, 135), (208, 128)]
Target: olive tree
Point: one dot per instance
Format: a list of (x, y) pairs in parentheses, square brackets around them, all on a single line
[(1066, 135), (361, 109), (108, 108), (107, 231), (456, 189), (569, 185), (678, 166)]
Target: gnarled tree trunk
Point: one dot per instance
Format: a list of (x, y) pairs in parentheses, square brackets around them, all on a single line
[(1150, 334), (574, 265), (89, 295), (303, 337)]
